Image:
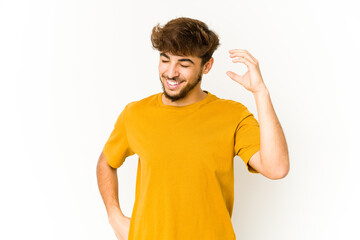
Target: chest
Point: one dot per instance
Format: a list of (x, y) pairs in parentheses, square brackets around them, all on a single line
[(192, 140)]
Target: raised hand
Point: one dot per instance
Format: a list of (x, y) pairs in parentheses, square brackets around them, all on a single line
[(252, 79)]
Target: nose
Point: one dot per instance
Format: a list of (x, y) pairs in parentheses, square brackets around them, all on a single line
[(172, 71)]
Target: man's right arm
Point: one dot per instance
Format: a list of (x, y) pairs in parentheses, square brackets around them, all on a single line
[(108, 185)]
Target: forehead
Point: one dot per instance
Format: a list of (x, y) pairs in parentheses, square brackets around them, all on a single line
[(180, 57)]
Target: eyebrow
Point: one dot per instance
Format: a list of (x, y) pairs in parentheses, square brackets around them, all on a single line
[(180, 60)]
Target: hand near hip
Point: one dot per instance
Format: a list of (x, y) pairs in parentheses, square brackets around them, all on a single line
[(121, 226), (252, 79)]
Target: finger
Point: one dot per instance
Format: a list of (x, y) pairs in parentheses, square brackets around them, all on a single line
[(235, 77), (245, 61), (243, 55), (244, 51), (240, 50)]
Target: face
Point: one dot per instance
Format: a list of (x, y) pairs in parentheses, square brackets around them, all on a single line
[(179, 75)]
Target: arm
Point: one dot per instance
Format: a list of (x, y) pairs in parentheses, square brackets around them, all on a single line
[(272, 160), (108, 185)]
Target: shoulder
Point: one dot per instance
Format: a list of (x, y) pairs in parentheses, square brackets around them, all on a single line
[(228, 104), (141, 103), (230, 109)]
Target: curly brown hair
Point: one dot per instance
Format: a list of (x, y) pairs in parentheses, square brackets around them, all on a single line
[(185, 37)]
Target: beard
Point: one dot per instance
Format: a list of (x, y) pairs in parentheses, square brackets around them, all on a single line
[(184, 91)]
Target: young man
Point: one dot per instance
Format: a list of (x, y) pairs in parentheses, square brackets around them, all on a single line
[(186, 139)]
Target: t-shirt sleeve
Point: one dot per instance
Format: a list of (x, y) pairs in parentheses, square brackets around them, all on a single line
[(247, 138), (116, 148)]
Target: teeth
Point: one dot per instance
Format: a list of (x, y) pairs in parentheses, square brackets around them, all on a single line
[(173, 83)]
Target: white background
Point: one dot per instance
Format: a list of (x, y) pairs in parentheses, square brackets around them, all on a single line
[(68, 68)]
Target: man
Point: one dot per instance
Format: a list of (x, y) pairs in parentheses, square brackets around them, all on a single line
[(186, 140)]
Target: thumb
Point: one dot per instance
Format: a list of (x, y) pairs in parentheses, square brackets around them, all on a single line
[(235, 77)]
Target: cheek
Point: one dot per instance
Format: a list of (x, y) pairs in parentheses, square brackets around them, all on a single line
[(190, 74), (162, 69)]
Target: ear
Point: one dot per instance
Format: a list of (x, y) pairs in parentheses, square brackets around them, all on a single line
[(207, 66)]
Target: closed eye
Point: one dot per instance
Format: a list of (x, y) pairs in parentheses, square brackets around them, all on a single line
[(164, 61)]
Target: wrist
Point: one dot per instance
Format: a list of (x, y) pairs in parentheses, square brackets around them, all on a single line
[(115, 214), (262, 91)]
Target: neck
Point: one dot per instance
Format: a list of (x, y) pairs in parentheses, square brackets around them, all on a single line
[(190, 98)]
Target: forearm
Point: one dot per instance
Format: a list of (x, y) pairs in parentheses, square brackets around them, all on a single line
[(108, 186), (273, 147)]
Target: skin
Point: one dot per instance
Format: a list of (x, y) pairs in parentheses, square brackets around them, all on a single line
[(108, 185), (272, 160), (185, 69)]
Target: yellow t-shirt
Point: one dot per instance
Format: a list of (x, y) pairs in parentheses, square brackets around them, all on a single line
[(185, 176)]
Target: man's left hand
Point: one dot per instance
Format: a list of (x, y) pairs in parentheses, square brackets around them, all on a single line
[(252, 79)]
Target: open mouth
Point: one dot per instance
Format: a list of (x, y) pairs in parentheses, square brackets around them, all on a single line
[(173, 84)]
